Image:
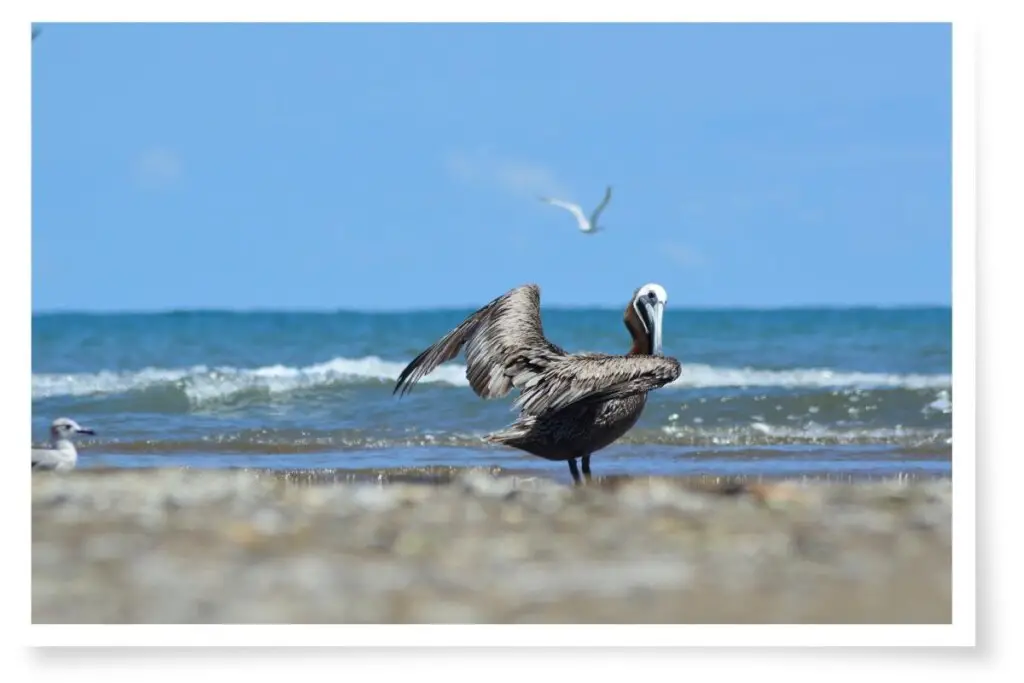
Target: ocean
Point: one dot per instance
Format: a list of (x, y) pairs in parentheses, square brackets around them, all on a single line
[(845, 393)]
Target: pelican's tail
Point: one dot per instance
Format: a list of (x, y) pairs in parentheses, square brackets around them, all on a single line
[(514, 433)]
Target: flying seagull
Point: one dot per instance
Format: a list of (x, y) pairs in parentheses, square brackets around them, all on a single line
[(587, 225)]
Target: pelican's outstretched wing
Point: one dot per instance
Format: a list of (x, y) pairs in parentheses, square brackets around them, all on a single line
[(600, 207), (504, 342)]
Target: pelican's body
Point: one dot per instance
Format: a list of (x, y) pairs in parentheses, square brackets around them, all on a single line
[(587, 224), (61, 454), (571, 405)]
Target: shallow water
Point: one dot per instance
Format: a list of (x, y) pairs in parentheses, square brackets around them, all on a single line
[(854, 392)]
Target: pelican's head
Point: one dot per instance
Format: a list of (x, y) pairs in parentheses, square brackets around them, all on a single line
[(649, 305), (64, 428)]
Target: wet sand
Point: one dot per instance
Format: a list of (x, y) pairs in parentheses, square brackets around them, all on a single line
[(444, 545)]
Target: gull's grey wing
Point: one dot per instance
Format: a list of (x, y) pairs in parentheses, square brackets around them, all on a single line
[(594, 377), (46, 458), (504, 344)]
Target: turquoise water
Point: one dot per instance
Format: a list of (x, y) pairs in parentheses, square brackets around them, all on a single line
[(856, 392)]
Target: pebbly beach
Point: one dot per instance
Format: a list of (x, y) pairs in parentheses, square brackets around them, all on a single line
[(454, 545)]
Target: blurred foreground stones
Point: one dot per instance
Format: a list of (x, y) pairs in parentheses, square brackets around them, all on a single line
[(171, 546)]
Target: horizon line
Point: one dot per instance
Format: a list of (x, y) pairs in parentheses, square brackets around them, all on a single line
[(472, 307)]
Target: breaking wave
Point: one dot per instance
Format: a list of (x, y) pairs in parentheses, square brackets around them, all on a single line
[(202, 384)]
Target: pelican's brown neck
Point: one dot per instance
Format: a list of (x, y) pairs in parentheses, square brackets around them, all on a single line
[(641, 338)]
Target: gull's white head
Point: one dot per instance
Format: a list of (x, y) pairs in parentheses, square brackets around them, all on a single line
[(649, 303), (63, 428)]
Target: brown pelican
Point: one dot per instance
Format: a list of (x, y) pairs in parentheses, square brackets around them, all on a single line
[(571, 405)]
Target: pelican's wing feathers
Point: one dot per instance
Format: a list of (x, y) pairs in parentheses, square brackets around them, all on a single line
[(594, 377), (504, 346)]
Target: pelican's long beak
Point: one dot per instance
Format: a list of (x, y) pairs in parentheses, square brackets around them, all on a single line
[(657, 310)]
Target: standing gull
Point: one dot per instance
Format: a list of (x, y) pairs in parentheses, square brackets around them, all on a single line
[(570, 405), (60, 455), (587, 225)]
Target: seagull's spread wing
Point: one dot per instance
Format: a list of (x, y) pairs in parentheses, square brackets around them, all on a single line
[(600, 207), (575, 209)]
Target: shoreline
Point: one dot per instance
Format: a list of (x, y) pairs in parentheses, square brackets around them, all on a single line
[(438, 475), (449, 545), (851, 463)]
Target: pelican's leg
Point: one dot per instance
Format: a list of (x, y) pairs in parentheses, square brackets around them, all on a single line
[(574, 471), (586, 467)]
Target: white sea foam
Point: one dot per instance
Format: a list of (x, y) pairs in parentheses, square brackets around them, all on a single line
[(762, 432), (106, 382), (941, 404), (697, 375), (202, 383)]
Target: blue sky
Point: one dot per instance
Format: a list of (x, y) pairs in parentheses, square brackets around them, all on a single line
[(397, 166)]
